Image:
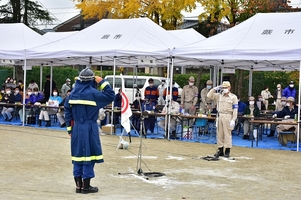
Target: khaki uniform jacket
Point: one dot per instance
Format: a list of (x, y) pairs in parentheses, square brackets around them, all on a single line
[(189, 95), (225, 103), (204, 99)]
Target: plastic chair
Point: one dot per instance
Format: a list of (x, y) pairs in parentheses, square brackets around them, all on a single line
[(200, 128)]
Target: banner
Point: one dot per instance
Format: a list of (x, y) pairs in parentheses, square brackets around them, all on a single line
[(126, 113)]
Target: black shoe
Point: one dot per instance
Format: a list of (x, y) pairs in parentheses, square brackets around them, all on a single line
[(47, 124), (9, 120), (271, 134), (39, 122), (245, 137), (227, 153), (63, 125), (220, 152)]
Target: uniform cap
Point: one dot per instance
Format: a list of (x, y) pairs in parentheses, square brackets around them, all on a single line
[(48, 76), (86, 74), (68, 79), (283, 98), (209, 82), (226, 84), (191, 78), (251, 98), (149, 80), (291, 82), (291, 99), (278, 85)]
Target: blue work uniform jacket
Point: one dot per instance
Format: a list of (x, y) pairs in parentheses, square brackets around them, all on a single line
[(81, 108)]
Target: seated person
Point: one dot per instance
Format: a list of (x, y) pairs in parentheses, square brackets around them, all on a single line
[(36, 98), (241, 108), (253, 111), (175, 108), (27, 108), (61, 114), (288, 112), (136, 118), (54, 101), (18, 96), (117, 104), (149, 121), (8, 97), (260, 103)]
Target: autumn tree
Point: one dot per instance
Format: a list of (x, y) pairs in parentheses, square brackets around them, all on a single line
[(166, 13), (24, 11)]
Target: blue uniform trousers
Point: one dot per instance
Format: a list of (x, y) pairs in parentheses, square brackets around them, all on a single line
[(84, 171)]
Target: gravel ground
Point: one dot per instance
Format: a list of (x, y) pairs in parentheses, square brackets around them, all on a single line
[(35, 164)]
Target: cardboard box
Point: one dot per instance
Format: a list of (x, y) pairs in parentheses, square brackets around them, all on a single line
[(107, 129)]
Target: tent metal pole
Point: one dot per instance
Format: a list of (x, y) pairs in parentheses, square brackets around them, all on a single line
[(24, 93), (114, 74), (250, 81), (170, 94), (51, 78), (14, 72), (41, 78), (298, 119), (166, 127), (214, 76)]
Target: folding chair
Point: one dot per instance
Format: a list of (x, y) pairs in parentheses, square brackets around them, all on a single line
[(200, 127)]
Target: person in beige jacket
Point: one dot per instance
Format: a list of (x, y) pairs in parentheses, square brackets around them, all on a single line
[(205, 102), (266, 95), (227, 107)]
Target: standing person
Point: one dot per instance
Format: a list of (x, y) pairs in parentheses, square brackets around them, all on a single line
[(290, 90), (82, 108), (175, 91), (151, 92), (161, 89), (47, 87), (32, 84), (266, 95), (205, 102), (278, 96), (189, 96), (227, 106), (65, 87)]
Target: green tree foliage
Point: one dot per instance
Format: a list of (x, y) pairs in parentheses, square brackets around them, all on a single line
[(165, 12), (24, 11)]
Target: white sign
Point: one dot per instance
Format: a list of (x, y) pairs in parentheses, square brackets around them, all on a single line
[(228, 70), (27, 67), (7, 61), (146, 60)]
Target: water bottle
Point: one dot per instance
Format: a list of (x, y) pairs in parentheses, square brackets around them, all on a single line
[(296, 118), (209, 113)]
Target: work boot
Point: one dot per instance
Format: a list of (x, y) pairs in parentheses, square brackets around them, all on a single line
[(271, 133), (40, 122), (79, 184), (227, 152), (220, 152), (87, 188), (47, 123)]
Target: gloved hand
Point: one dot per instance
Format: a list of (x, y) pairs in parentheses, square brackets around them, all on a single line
[(286, 117), (98, 79), (232, 124), (274, 116), (217, 87)]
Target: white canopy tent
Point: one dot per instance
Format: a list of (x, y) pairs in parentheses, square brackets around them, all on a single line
[(269, 41), (53, 36), (188, 35), (111, 38)]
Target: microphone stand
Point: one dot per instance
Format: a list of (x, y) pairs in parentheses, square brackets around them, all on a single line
[(139, 159)]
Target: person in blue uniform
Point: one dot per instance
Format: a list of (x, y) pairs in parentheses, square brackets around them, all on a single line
[(81, 113), (117, 105)]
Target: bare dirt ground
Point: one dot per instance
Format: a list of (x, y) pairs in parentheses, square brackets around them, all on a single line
[(35, 164)]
